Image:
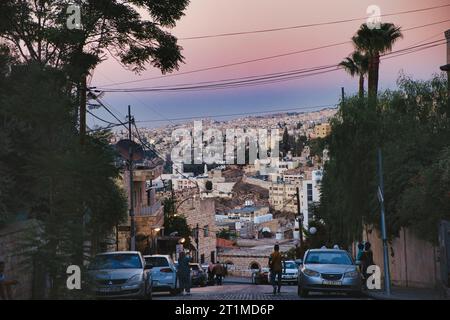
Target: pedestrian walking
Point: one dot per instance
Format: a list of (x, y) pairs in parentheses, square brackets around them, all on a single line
[(366, 259), (360, 252), (276, 269), (184, 273), (219, 272), (211, 281)]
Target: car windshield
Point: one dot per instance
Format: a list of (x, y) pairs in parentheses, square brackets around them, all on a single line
[(157, 261), (290, 265), (328, 258), (116, 261)]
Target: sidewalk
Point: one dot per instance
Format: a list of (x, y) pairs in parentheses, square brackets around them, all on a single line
[(400, 293)]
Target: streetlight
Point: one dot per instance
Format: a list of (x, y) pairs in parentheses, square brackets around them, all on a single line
[(155, 238)]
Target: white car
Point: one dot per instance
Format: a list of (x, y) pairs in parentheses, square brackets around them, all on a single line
[(290, 273), (164, 273)]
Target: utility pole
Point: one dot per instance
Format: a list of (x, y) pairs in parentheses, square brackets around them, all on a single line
[(197, 230), (300, 217), (130, 168), (387, 277), (343, 95)]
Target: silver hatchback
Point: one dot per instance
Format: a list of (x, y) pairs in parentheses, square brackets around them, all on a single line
[(120, 275), (328, 270)]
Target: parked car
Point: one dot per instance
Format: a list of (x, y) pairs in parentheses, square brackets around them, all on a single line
[(164, 273), (290, 273), (261, 276), (198, 276), (205, 267), (328, 270), (120, 275)]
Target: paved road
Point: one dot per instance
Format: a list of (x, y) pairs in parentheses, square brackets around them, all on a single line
[(245, 292)]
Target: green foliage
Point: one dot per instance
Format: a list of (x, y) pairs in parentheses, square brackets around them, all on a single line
[(372, 42), (69, 189), (412, 127), (176, 223), (316, 146), (226, 234), (38, 31)]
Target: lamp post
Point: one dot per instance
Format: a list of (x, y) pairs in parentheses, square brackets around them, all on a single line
[(300, 217), (155, 239), (387, 277), (197, 242)]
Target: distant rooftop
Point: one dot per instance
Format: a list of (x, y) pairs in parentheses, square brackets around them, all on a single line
[(248, 209)]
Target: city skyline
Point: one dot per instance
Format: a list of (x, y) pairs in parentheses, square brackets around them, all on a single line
[(203, 18)]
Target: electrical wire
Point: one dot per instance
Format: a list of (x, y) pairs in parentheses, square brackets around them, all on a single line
[(257, 59), (307, 25), (265, 79)]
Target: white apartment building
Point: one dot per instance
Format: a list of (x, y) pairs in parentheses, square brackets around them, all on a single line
[(283, 195)]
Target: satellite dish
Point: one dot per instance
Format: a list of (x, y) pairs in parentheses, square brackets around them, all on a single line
[(123, 147)]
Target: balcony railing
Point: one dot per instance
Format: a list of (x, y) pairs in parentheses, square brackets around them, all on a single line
[(149, 210)]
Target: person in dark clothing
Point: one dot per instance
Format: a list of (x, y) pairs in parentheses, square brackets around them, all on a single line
[(184, 273), (211, 275), (366, 259), (276, 269), (219, 272)]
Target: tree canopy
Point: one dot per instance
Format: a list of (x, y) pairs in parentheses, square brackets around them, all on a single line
[(411, 126)]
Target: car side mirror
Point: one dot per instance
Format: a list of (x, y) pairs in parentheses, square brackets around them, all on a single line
[(148, 266)]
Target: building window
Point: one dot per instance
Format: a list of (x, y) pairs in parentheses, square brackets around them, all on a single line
[(202, 259), (206, 232), (310, 192), (213, 256)]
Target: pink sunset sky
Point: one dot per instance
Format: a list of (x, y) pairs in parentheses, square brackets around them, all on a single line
[(206, 17)]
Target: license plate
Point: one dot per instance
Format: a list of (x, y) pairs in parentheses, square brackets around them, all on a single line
[(111, 289), (332, 283)]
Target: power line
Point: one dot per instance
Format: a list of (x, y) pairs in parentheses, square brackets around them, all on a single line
[(229, 64), (104, 129), (103, 120), (306, 25), (239, 78), (265, 79), (157, 153), (257, 59)]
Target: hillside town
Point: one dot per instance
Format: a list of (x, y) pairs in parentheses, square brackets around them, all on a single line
[(255, 202), (140, 157)]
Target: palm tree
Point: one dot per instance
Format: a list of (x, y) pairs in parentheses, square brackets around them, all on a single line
[(357, 64), (374, 42)]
